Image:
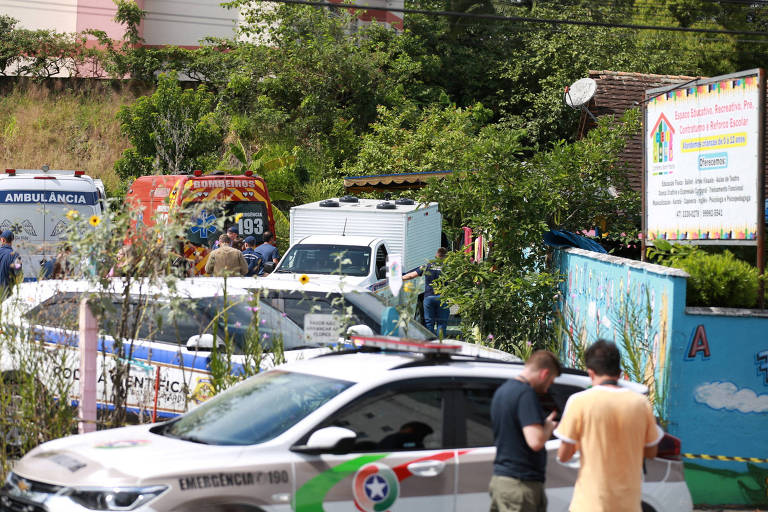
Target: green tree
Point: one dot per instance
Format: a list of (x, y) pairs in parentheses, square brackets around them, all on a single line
[(172, 131)]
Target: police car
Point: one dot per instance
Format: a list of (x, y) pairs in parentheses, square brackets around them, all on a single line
[(389, 426), (174, 338)]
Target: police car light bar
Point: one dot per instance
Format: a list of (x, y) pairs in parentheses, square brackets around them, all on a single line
[(405, 345), (79, 173), (12, 172)]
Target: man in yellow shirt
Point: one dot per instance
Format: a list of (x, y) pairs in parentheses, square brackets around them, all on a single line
[(613, 428), (226, 260)]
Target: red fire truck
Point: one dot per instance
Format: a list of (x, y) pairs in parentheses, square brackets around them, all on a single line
[(240, 199)]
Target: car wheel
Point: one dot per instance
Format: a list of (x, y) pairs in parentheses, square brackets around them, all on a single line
[(648, 508)]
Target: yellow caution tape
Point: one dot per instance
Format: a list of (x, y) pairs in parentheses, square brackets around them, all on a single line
[(754, 460)]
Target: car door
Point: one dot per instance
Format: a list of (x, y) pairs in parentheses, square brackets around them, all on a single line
[(402, 460), (475, 433)]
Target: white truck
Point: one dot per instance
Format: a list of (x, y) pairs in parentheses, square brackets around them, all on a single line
[(350, 239), (34, 205)]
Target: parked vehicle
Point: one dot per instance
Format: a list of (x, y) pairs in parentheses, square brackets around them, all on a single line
[(351, 238), (242, 200), (34, 204), (177, 331), (373, 429)]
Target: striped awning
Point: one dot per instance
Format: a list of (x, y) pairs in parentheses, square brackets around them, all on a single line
[(401, 181)]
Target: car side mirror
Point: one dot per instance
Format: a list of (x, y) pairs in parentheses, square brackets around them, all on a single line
[(269, 267), (337, 440), (359, 330), (203, 342)]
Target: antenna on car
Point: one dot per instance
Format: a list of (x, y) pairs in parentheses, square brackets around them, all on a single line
[(344, 231)]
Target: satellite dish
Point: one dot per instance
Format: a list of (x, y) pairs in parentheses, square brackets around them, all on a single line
[(579, 93)]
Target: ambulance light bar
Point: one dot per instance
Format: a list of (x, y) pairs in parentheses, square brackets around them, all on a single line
[(79, 173), (405, 345), (11, 172)]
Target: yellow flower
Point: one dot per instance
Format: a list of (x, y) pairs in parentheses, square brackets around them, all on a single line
[(238, 217), (304, 279), (95, 220), (408, 287), (72, 214)]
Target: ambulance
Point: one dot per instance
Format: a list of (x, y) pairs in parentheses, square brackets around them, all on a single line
[(34, 204), (241, 200)]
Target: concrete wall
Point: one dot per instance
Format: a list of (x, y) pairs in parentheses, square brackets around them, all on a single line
[(709, 366)]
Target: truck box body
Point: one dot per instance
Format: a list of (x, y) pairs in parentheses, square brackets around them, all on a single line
[(34, 204), (411, 230)]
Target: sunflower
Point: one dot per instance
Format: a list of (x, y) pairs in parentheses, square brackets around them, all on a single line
[(95, 220), (304, 279), (72, 214)]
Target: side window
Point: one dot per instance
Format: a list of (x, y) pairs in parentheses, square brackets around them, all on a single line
[(60, 311), (478, 429), (406, 416), (556, 397), (381, 261)]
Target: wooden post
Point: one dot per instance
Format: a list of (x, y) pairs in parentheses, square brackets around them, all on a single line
[(89, 340)]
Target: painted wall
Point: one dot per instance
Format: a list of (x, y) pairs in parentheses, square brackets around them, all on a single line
[(710, 365), (60, 16), (186, 22)]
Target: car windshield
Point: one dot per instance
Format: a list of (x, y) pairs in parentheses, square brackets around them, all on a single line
[(259, 409), (327, 259), (251, 220)]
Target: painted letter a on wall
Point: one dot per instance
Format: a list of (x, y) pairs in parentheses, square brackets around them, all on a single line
[(699, 343)]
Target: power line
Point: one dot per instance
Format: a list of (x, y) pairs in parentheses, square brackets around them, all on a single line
[(524, 19)]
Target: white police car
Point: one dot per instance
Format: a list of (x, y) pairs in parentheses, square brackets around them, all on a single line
[(177, 335), (356, 430)]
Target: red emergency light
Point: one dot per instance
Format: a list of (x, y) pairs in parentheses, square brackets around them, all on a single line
[(79, 173), (10, 172), (249, 173), (197, 173), (45, 177), (405, 345)]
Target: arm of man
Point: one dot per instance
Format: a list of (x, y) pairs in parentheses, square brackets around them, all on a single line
[(569, 430), (537, 435), (243, 264), (653, 434), (414, 273), (209, 264)]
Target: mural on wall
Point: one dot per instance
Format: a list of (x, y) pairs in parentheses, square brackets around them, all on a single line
[(627, 306), (707, 369)]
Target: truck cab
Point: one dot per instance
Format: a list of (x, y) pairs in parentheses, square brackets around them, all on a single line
[(354, 260)]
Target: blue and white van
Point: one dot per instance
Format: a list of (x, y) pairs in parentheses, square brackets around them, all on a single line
[(34, 205)]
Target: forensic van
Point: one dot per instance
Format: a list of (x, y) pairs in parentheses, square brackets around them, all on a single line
[(242, 200), (34, 205)]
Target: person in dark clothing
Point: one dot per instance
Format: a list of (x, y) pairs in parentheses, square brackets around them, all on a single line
[(520, 431), (410, 437), (251, 258), (267, 251), (435, 313), (10, 263)]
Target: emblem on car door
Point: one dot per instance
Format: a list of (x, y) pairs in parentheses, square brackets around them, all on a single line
[(375, 487)]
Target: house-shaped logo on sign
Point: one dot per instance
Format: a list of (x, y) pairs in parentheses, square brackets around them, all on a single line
[(661, 140)]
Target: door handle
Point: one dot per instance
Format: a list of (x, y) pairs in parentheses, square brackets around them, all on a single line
[(426, 467)]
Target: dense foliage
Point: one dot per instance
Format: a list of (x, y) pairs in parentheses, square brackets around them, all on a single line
[(305, 99)]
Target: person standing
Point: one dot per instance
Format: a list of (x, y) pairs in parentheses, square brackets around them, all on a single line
[(435, 313), (613, 428), (520, 432), (251, 258), (10, 263), (267, 251), (226, 260)]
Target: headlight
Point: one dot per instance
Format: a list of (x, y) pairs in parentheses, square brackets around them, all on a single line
[(118, 498)]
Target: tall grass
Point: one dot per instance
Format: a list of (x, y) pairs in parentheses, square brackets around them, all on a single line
[(64, 128)]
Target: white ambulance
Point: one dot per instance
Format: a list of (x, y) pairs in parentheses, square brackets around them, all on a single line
[(34, 205)]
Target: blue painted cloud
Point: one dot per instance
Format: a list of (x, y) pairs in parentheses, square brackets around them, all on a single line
[(726, 395)]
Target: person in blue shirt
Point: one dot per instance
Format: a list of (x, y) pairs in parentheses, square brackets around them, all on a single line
[(10, 263), (267, 251), (435, 313), (251, 258)]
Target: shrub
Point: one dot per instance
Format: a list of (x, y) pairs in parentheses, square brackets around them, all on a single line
[(716, 280)]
